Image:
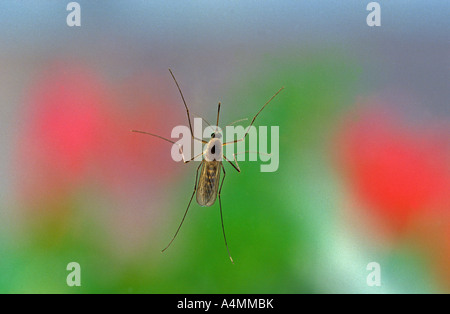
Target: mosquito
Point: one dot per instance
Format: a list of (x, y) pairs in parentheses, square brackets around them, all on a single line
[(209, 186)]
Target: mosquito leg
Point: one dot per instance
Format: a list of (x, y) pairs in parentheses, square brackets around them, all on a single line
[(170, 141), (234, 166), (240, 120), (221, 216), (187, 110), (147, 133), (199, 116), (186, 161), (252, 152), (254, 118), (190, 201), (218, 112), (237, 141)]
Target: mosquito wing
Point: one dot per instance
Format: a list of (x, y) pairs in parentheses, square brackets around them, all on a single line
[(208, 184)]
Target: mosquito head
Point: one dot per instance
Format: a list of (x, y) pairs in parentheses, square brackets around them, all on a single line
[(216, 135)]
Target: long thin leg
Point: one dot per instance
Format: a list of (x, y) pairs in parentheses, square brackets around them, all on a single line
[(253, 152), (240, 120), (170, 141), (186, 161), (221, 216), (147, 133), (187, 110), (254, 118), (235, 160), (218, 112), (190, 201), (199, 116), (234, 166)]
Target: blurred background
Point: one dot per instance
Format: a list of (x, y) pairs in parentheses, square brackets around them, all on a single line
[(364, 124)]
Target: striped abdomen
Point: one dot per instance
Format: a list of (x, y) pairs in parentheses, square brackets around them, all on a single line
[(208, 183)]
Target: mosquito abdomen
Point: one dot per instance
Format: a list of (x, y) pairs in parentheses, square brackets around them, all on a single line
[(208, 183)]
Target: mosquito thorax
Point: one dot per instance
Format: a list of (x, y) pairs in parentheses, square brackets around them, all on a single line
[(213, 149)]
